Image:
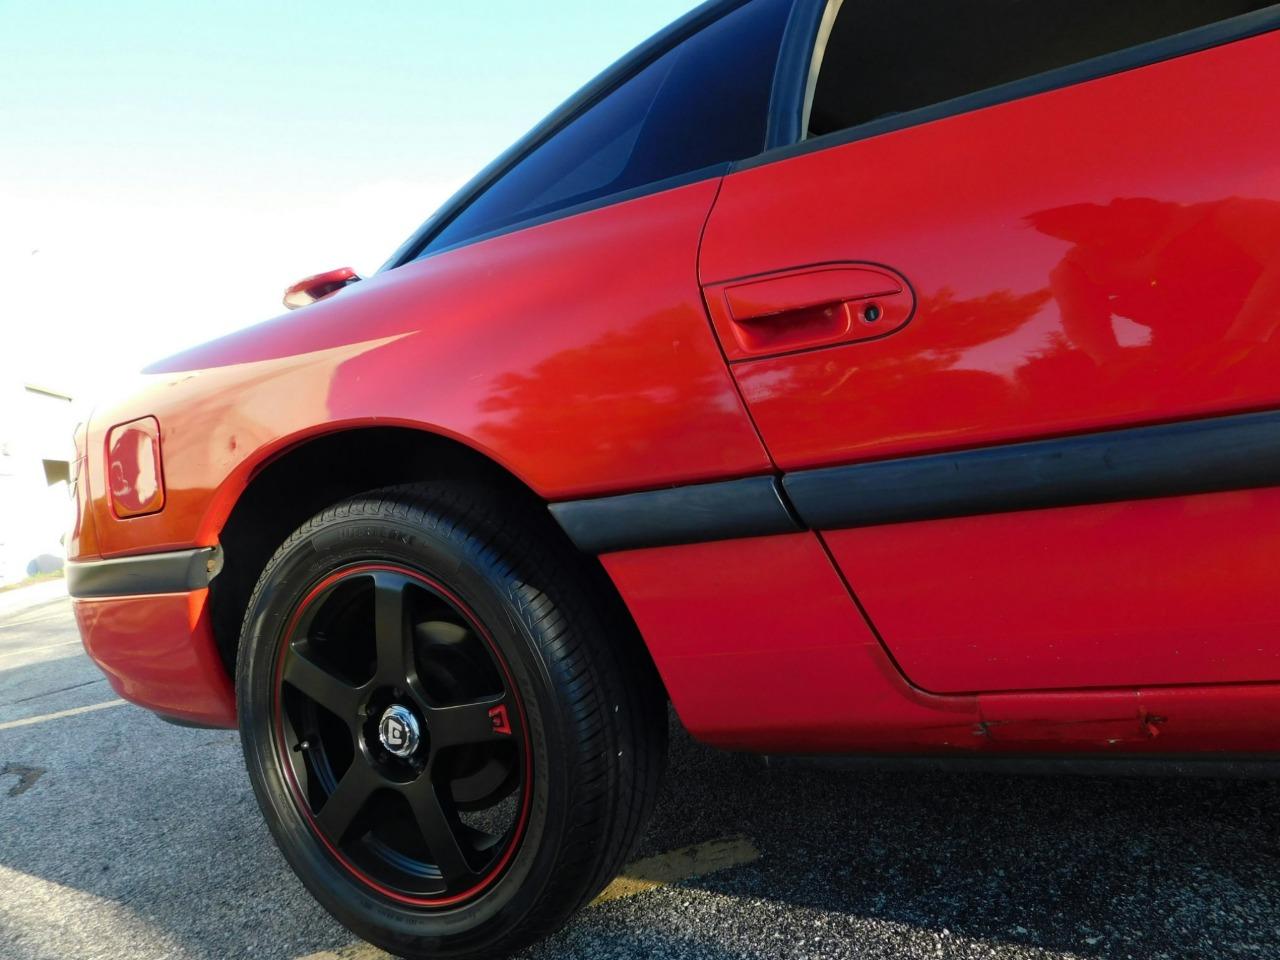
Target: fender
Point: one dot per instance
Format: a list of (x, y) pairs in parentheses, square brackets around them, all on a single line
[(578, 389)]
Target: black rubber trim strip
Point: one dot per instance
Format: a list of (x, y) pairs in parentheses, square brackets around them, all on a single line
[(176, 571), (694, 514), (1196, 456), (791, 76), (1156, 51)]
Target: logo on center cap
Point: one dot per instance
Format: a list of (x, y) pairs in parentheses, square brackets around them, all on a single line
[(398, 731)]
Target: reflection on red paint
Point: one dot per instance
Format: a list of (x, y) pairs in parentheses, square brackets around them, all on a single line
[(580, 373), (1059, 290), (134, 474), (159, 652)]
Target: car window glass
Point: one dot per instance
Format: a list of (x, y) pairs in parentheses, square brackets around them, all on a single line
[(885, 57), (704, 102)]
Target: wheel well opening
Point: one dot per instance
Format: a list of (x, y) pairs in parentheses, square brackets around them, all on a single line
[(328, 469)]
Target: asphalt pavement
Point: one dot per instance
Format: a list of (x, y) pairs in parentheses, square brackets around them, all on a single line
[(124, 837)]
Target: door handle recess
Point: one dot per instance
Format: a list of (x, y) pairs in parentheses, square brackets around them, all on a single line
[(807, 308)]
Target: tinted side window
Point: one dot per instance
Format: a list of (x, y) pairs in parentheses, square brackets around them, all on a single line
[(886, 56), (704, 102)]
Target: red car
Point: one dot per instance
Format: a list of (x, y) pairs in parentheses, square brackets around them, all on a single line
[(894, 378)]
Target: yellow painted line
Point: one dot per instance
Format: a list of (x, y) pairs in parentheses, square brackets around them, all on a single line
[(357, 951), (74, 712), (639, 877), (683, 864)]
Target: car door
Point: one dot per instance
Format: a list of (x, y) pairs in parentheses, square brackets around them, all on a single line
[(1006, 322)]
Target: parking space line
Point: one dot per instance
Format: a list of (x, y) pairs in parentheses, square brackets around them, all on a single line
[(685, 863), (74, 711), (27, 651), (642, 876)]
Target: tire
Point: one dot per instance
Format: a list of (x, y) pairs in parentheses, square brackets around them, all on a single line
[(469, 810)]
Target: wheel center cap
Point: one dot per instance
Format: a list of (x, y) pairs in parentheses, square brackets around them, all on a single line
[(398, 731)]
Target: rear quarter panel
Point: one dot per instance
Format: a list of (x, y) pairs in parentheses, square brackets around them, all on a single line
[(576, 353)]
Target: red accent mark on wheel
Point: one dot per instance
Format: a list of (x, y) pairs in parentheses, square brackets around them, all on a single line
[(498, 716)]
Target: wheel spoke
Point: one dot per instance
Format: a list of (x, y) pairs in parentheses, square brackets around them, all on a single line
[(318, 684), (489, 785), (440, 829), (347, 800), (480, 721), (391, 630)]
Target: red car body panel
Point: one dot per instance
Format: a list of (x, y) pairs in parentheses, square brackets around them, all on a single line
[(1176, 590), (159, 651), (576, 388), (1134, 278), (1059, 289), (1100, 256), (762, 648)]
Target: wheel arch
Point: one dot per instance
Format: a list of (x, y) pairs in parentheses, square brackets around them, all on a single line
[(301, 479)]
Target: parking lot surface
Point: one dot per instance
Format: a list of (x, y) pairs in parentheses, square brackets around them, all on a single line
[(125, 837)]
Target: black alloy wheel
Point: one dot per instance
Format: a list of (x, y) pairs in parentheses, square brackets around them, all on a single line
[(401, 733)]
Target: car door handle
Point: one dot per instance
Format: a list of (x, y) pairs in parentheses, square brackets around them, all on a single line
[(808, 307)]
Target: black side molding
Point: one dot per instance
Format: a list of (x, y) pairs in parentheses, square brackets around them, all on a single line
[(175, 571), (752, 507), (1197, 456)]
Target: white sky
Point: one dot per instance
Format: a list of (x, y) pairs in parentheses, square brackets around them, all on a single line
[(166, 170)]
